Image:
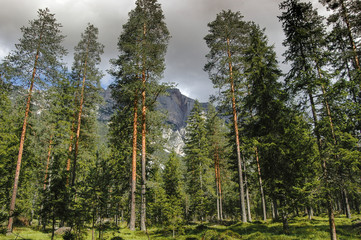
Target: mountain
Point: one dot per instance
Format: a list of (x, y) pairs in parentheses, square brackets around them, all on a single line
[(174, 103)]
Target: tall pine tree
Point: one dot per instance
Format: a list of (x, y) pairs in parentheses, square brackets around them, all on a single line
[(36, 60), (226, 40), (142, 46)]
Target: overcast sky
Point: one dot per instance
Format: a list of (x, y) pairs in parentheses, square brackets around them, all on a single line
[(186, 20)]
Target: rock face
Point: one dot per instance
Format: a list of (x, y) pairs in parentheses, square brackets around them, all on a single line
[(178, 108), (174, 140), (175, 104)]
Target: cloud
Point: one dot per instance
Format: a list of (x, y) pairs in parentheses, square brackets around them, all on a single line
[(186, 19)]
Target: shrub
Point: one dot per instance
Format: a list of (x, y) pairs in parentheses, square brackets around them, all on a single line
[(68, 235), (117, 238), (211, 235)]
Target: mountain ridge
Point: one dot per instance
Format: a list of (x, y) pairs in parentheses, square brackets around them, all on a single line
[(177, 106)]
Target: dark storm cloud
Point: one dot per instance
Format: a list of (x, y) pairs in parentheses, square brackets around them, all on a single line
[(186, 19)]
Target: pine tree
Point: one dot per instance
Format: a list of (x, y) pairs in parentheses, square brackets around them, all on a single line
[(142, 45), (218, 145), (348, 12), (264, 100), (199, 183), (226, 40), (8, 139), (305, 35), (173, 190), (39, 52), (86, 58)]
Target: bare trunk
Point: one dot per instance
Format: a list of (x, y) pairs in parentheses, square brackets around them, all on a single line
[(216, 178), (143, 203), (70, 149), (21, 147), (134, 165), (220, 190), (275, 213), (93, 224), (235, 122), (53, 226), (310, 213), (79, 115), (331, 216), (261, 186), (347, 205), (48, 162), (143, 210), (247, 194), (285, 222)]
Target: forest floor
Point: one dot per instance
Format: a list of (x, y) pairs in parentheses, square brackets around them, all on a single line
[(299, 228)]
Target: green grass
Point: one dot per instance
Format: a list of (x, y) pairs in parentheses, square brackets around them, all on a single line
[(299, 228)]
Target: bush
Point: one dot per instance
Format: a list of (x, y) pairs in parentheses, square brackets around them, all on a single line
[(229, 235), (3, 230), (21, 222), (68, 235), (117, 238), (201, 227), (211, 235)]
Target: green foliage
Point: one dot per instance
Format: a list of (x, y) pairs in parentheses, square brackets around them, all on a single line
[(174, 192), (200, 187), (42, 37)]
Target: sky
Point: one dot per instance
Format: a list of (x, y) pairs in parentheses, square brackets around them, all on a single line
[(186, 20)]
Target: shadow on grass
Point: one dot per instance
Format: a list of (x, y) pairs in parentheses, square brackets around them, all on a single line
[(298, 229)]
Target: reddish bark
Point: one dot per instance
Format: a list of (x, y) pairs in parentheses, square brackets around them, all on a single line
[(144, 131), (143, 210), (21, 147), (235, 122), (79, 116), (134, 165)]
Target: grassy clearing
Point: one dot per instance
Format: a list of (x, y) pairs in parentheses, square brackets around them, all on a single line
[(299, 228)]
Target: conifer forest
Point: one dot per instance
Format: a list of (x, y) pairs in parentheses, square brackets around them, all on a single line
[(273, 155)]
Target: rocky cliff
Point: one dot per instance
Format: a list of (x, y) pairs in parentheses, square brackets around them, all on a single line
[(174, 103)]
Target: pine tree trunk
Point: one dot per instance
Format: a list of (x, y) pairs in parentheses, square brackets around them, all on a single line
[(219, 185), (261, 186), (285, 222), (347, 205), (310, 212), (235, 122), (247, 194), (216, 180), (220, 193), (143, 210), (143, 201), (275, 213), (22, 140), (331, 216), (93, 224), (134, 165), (79, 118), (47, 162), (70, 149)]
